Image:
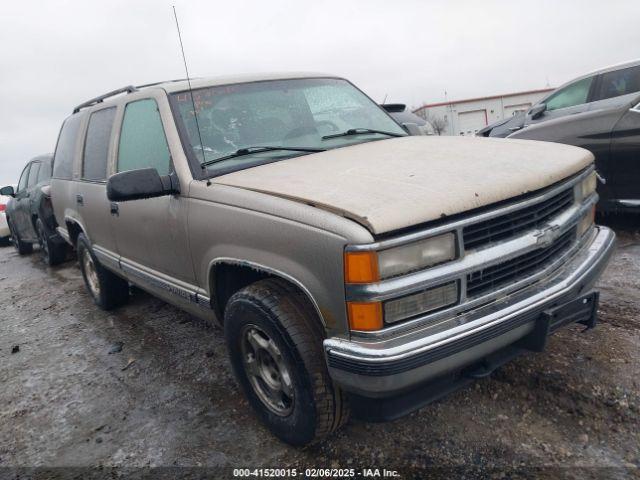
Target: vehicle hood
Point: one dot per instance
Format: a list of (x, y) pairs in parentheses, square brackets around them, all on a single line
[(391, 184)]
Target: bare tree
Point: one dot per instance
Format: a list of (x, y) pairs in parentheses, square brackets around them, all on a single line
[(439, 124)]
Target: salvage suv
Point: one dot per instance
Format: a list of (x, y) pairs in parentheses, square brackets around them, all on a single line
[(350, 265)]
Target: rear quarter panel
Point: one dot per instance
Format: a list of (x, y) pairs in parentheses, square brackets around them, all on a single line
[(63, 194)]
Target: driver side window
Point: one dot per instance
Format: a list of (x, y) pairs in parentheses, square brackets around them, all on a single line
[(575, 94), (142, 140)]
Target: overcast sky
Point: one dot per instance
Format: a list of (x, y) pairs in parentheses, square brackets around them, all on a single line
[(56, 54)]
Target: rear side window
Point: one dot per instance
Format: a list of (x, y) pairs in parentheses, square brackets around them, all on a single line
[(142, 140), (96, 145), (620, 82), (22, 183), (65, 149), (575, 94), (44, 173), (33, 174)]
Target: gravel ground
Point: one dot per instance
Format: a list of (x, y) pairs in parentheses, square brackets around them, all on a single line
[(150, 386)]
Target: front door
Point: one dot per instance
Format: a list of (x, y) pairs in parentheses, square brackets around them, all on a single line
[(625, 158), (150, 233), (20, 207), (569, 100)]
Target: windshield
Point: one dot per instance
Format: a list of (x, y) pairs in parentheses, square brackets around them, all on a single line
[(282, 113)]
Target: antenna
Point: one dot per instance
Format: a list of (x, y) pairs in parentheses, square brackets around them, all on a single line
[(193, 103)]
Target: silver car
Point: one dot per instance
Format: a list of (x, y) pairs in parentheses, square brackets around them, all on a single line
[(601, 90), (352, 267)]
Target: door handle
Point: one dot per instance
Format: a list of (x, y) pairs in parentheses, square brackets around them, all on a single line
[(79, 199), (114, 209)]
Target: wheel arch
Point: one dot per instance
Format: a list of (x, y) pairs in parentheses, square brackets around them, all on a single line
[(228, 275), (74, 229)]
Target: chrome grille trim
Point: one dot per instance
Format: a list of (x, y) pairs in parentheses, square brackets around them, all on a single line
[(511, 224), (474, 259), (495, 276)]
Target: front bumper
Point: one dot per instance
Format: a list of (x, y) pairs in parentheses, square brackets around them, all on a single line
[(388, 367)]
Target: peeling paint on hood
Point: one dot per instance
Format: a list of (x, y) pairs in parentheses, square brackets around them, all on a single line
[(391, 184)]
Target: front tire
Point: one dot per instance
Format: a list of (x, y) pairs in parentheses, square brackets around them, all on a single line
[(106, 288), (275, 346), (52, 253)]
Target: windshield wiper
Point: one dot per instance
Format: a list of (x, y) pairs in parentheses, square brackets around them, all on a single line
[(361, 131), (251, 150)]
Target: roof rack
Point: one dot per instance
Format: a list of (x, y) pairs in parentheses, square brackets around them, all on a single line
[(101, 98), (161, 82)]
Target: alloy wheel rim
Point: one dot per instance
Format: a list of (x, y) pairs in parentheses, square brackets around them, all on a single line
[(91, 273), (266, 370)]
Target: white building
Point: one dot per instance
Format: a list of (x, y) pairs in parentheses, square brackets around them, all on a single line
[(466, 117)]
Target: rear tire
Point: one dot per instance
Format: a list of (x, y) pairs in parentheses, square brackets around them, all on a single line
[(275, 346), (52, 253), (23, 248), (106, 288)]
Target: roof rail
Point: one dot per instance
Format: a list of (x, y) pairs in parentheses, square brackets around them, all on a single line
[(93, 101), (160, 82)]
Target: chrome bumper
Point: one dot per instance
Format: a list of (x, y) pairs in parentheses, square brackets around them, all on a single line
[(383, 367)]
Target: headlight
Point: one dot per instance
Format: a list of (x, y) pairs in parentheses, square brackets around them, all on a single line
[(586, 187), (371, 266), (416, 256)]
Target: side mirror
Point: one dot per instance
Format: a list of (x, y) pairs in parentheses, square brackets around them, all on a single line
[(412, 128), (537, 110), (8, 191), (139, 184)]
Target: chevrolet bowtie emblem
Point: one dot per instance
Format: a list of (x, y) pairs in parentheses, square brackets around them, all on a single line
[(546, 236)]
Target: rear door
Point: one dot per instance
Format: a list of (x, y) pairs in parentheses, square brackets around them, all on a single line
[(91, 193), (64, 174)]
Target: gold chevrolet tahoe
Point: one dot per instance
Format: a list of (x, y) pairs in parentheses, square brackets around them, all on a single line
[(353, 267)]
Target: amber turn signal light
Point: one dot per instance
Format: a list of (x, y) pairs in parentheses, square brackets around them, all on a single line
[(365, 316), (361, 267)]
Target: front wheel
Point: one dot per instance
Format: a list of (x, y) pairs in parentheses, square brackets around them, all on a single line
[(106, 288), (275, 346)]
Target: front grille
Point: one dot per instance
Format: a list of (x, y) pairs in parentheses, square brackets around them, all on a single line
[(517, 268), (509, 225)]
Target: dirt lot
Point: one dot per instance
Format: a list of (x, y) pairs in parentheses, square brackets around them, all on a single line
[(149, 386)]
